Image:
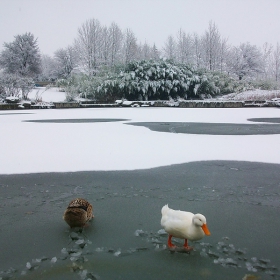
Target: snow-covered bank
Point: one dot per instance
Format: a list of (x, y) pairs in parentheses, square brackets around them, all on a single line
[(29, 147), (54, 95), (253, 95)]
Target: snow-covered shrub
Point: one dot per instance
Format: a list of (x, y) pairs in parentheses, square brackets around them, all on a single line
[(14, 85), (67, 85), (25, 85), (62, 84), (208, 85), (214, 83), (9, 84), (266, 85), (70, 96), (84, 86), (152, 80)]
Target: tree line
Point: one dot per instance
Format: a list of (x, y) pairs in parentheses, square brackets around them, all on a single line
[(98, 46), (101, 49)]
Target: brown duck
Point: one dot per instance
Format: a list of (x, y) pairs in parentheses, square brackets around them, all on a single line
[(78, 213)]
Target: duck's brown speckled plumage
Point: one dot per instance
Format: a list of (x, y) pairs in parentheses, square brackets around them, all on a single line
[(78, 213)]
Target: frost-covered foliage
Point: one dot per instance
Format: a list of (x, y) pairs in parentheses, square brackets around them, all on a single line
[(22, 56), (14, 85), (150, 80), (83, 86), (163, 80), (266, 84), (68, 86), (209, 84), (153, 80), (214, 83)]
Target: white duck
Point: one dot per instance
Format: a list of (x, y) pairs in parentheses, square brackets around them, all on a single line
[(185, 225)]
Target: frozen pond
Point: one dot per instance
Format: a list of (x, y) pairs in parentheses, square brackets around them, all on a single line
[(81, 139), (128, 172)]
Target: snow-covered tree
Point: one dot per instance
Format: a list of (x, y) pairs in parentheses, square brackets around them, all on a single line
[(197, 49), (276, 63), (245, 60), (184, 48), (115, 42), (169, 50), (130, 46), (66, 61), (105, 42), (48, 66), (89, 45), (22, 56), (145, 51), (211, 42), (266, 58), (223, 55), (155, 53)]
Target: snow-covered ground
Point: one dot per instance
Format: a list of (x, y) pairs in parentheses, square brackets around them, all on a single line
[(29, 147), (47, 95), (253, 95)]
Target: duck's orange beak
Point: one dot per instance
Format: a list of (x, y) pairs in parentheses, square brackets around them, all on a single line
[(205, 229)]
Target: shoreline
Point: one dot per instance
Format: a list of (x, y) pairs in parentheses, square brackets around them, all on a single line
[(152, 104)]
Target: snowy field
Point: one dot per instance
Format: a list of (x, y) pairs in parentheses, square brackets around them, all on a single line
[(30, 147)]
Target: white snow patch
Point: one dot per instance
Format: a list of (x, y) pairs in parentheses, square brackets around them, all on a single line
[(29, 147), (12, 99), (47, 95)]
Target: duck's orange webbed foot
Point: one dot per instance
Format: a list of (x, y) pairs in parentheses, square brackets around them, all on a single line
[(187, 247)]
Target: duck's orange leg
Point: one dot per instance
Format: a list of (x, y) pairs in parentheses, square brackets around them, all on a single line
[(186, 246), (169, 242)]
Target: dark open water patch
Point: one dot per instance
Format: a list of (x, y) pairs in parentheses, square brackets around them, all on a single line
[(211, 128), (75, 120), (267, 120), (241, 201)]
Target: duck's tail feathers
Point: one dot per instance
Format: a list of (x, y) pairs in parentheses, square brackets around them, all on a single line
[(164, 209)]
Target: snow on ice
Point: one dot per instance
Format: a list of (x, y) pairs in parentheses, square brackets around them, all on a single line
[(30, 147)]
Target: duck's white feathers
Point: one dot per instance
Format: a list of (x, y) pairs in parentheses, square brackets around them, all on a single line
[(180, 224)]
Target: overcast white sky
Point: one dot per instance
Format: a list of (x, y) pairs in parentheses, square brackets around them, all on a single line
[(55, 22)]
